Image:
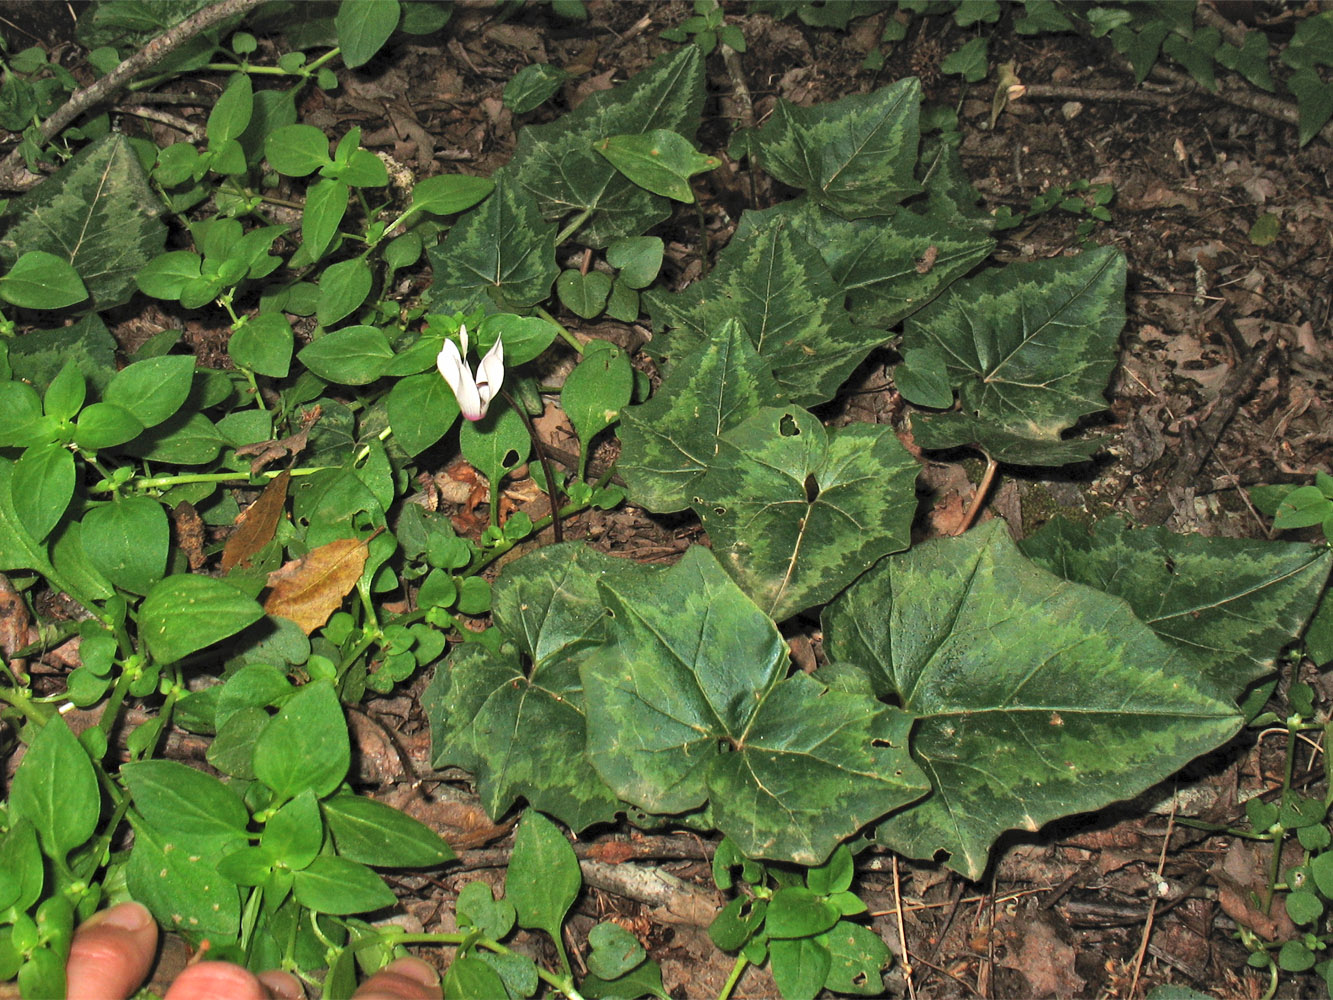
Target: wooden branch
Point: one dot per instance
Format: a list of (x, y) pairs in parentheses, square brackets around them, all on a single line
[(13, 175)]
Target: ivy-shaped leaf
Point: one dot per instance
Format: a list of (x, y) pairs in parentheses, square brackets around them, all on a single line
[(557, 165), (854, 156), (98, 213), (669, 442), (775, 284), (515, 718), (1031, 347), (502, 247), (889, 267), (1232, 603), (796, 512), (688, 702), (1034, 697)]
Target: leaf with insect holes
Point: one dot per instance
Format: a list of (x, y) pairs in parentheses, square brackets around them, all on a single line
[(310, 589)]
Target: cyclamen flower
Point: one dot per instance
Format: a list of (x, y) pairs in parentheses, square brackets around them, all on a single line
[(474, 394)]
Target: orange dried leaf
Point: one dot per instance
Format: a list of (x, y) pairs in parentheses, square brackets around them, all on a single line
[(310, 589), (256, 527)]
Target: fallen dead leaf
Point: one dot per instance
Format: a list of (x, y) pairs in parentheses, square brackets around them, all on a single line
[(310, 589), (257, 524)]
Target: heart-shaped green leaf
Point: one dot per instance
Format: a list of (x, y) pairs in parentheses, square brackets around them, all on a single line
[(687, 704), (501, 247), (669, 442), (1031, 347), (1034, 697), (557, 165), (775, 284)]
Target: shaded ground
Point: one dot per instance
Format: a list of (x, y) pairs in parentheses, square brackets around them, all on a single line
[(1226, 381)]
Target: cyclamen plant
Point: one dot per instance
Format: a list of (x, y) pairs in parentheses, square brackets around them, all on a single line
[(949, 709)]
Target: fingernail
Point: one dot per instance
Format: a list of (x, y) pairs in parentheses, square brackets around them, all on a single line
[(126, 916), (415, 969), (283, 985)]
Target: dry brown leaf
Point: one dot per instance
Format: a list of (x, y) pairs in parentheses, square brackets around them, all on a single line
[(189, 533), (310, 589), (256, 526)]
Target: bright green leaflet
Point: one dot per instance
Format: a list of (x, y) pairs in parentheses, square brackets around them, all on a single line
[(1033, 697)]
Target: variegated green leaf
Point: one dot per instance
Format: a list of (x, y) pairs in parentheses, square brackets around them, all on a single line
[(501, 247), (795, 513), (688, 703), (557, 165), (1034, 697), (855, 156), (1231, 603), (98, 213), (515, 718), (1031, 347), (774, 283), (668, 443)]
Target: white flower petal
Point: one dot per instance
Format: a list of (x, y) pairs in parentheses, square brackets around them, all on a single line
[(456, 373)]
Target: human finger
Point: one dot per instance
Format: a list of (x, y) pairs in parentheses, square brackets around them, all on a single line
[(402, 979), (111, 953), (218, 981)]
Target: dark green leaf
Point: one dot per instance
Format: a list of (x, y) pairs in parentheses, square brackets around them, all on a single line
[(795, 512), (776, 286), (556, 163), (1230, 603), (614, 950), (687, 703), (497, 444), (184, 613), (231, 114), (325, 206), (597, 390), (294, 834), (799, 966), (1034, 697), (583, 294), (98, 213), (482, 705), (796, 912), (502, 247), (186, 439), (342, 288), (297, 150), (469, 978), (637, 258), (167, 276), (477, 907), (105, 425), (854, 156), (263, 345), (859, 958)]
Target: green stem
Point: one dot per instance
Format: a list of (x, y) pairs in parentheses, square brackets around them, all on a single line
[(551, 488), (565, 335), (488, 557), (20, 699), (166, 482), (737, 970), (574, 226)]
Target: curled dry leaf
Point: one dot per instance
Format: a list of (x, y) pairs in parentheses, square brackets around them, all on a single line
[(310, 589)]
